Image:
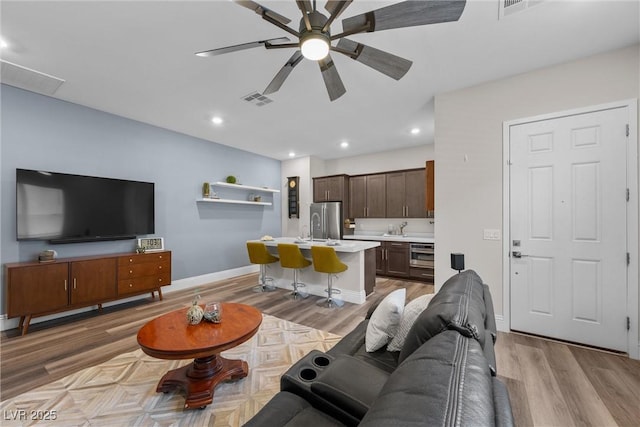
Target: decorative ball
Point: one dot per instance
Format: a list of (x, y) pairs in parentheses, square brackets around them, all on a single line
[(195, 314)]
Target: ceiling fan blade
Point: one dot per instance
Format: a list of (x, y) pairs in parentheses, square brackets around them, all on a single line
[(261, 10), (249, 45), (406, 14), (335, 7), (384, 62), (306, 8), (332, 79), (284, 72)]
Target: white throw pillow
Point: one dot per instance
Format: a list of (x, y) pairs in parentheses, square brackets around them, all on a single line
[(385, 320), (409, 316)]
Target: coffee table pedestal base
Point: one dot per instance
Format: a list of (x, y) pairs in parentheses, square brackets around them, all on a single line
[(200, 378)]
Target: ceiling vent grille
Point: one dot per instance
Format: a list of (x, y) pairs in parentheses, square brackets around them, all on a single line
[(509, 7), (257, 99), (28, 79)]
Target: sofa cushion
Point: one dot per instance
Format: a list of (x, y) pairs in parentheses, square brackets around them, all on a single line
[(444, 382), (287, 409), (458, 305), (385, 320), (411, 312)]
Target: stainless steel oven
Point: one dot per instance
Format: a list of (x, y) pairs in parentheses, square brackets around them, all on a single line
[(421, 255)]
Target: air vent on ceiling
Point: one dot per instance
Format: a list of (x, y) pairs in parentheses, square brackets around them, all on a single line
[(509, 7), (26, 78), (257, 99)]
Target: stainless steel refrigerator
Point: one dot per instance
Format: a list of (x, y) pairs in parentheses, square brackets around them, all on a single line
[(326, 220)]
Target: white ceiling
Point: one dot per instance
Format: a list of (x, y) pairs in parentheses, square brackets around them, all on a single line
[(136, 59)]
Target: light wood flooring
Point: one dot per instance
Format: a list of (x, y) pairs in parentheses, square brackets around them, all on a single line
[(550, 383)]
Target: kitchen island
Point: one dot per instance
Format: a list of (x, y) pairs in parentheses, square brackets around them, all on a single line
[(355, 283)]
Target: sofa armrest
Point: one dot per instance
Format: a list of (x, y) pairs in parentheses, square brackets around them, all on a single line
[(350, 384), (502, 404), (490, 319), (352, 342)]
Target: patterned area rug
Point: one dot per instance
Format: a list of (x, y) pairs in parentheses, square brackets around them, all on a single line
[(121, 392)]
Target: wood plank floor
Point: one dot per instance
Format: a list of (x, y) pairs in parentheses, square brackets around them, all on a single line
[(550, 383)]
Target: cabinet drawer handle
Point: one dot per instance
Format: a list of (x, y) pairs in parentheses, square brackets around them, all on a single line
[(65, 284), (130, 259), (160, 267), (131, 285), (130, 271), (160, 256), (74, 283), (160, 279)]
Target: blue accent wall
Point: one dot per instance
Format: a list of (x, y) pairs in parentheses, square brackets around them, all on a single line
[(43, 133)]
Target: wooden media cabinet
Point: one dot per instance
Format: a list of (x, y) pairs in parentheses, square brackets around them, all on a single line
[(40, 288)]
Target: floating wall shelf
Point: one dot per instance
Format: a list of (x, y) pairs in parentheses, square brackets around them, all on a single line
[(245, 187), (239, 187), (238, 202)]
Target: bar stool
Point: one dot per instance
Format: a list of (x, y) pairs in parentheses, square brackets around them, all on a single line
[(258, 254), (291, 257), (325, 260)]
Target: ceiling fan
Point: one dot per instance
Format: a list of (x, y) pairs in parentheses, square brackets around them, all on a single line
[(315, 38)]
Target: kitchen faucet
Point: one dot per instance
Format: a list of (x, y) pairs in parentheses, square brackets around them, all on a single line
[(314, 216), (402, 226)]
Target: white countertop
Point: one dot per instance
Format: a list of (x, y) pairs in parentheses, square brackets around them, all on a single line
[(341, 246), (381, 237)]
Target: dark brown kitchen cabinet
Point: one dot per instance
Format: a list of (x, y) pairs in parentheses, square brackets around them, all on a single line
[(406, 194), (358, 196), (392, 259), (331, 189), (430, 204), (367, 196)]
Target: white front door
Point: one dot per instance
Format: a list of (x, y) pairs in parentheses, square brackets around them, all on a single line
[(568, 229)]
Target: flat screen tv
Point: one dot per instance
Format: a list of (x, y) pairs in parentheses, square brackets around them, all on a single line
[(65, 208)]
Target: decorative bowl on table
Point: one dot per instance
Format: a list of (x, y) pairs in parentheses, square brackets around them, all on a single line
[(213, 312)]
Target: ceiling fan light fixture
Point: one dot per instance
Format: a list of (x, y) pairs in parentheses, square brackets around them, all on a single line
[(315, 47)]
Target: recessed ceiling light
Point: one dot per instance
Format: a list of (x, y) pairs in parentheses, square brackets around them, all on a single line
[(344, 144), (217, 120), (292, 154), (3, 44), (415, 131)]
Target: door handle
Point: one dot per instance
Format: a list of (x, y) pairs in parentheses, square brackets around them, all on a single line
[(518, 254)]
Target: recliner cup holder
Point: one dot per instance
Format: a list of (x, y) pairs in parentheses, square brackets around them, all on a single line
[(321, 361), (308, 374)]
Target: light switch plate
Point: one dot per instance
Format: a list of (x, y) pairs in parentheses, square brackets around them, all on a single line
[(491, 234)]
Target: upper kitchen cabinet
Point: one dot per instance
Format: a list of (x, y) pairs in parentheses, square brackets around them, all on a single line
[(331, 189), (430, 188), (368, 196), (406, 194)]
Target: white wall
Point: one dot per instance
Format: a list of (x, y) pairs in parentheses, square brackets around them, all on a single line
[(405, 158), (293, 227), (468, 148)]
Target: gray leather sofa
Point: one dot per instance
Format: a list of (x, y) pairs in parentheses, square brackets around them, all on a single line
[(445, 373)]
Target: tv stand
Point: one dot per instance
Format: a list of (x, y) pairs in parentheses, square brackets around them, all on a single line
[(37, 289)]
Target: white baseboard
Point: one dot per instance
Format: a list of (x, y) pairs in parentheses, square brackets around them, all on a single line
[(346, 295), (501, 324), (177, 285)]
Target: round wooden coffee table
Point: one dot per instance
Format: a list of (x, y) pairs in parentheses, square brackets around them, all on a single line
[(171, 337)]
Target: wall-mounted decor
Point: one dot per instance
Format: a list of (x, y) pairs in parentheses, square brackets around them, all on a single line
[(293, 196)]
